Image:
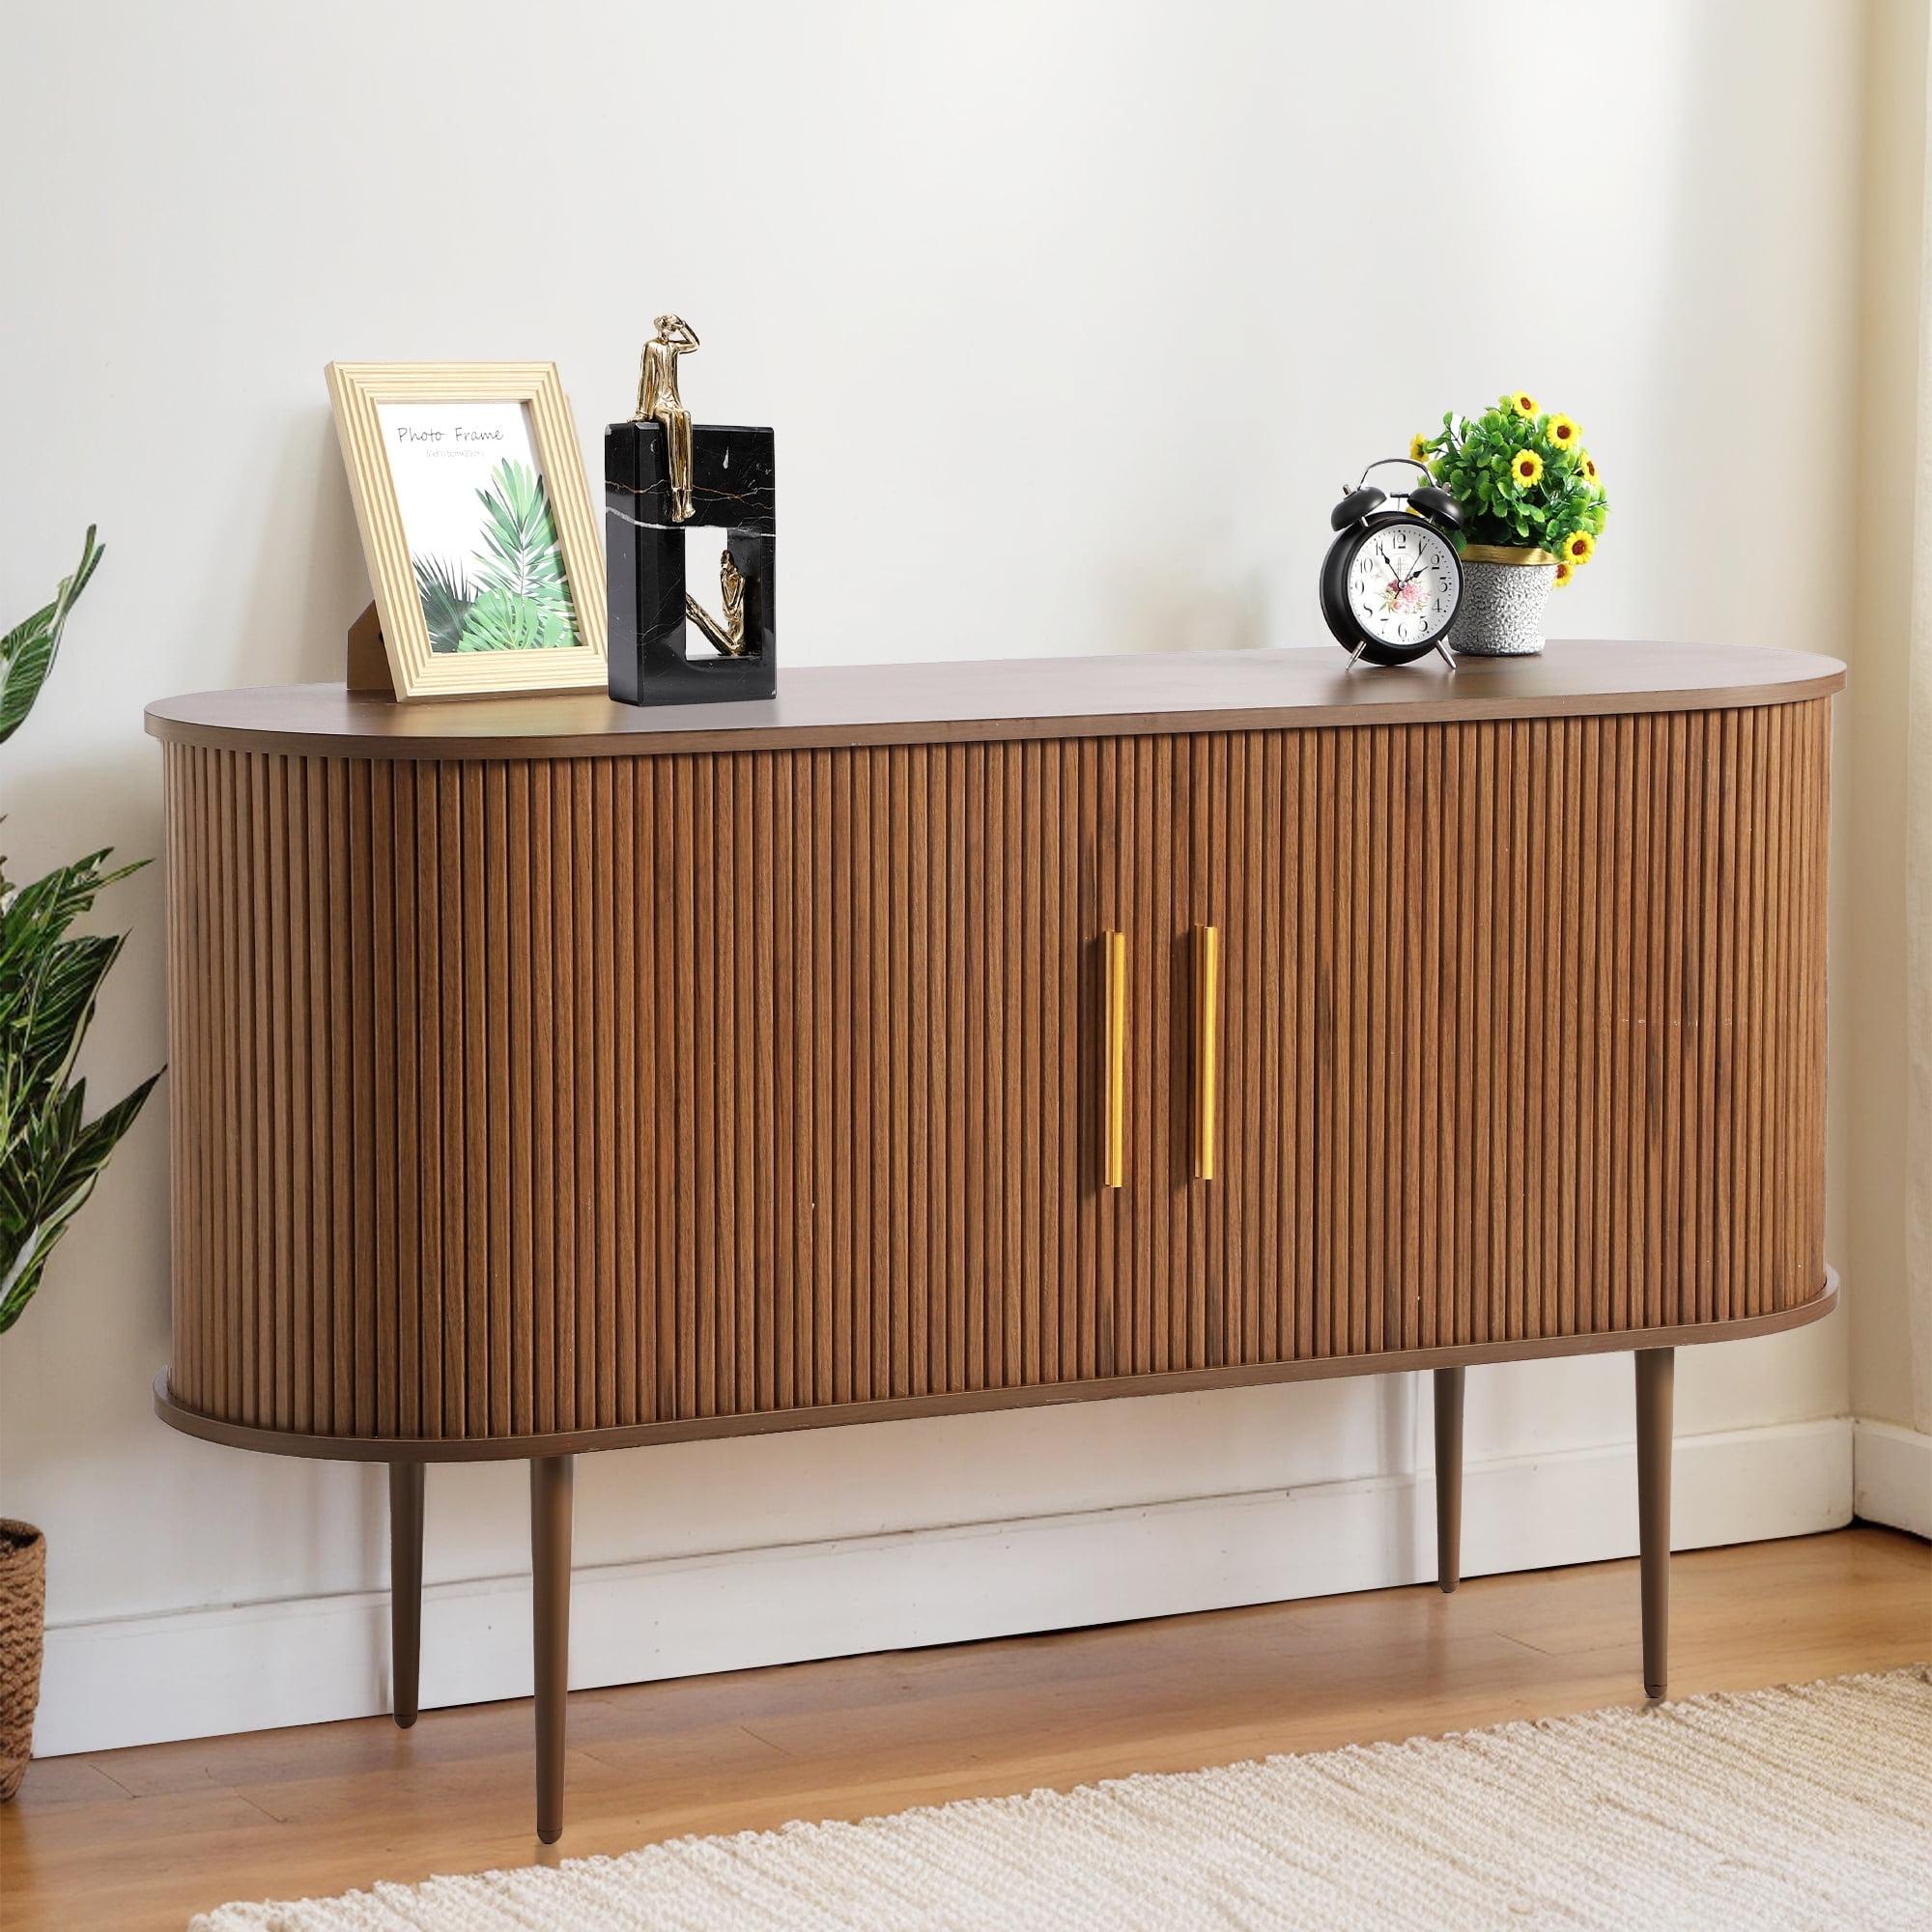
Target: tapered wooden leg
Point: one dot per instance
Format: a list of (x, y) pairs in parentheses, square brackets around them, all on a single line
[(405, 1579), (1656, 1372), (549, 1606), (1448, 1477)]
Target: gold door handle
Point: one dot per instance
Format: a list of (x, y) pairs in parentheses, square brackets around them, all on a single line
[(1206, 977), (1114, 1146)]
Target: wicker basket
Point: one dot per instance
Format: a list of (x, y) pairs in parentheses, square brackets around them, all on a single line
[(23, 1598)]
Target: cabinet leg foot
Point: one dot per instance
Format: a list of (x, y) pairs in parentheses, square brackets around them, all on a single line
[(1448, 1477), (1656, 1372), (406, 1576), (550, 1607)]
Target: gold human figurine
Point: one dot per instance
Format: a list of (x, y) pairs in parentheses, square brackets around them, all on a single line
[(730, 635), (658, 399)]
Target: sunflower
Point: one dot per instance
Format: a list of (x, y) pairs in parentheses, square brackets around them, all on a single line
[(1589, 463), (1418, 447), (1524, 404), (1526, 468), (1579, 545), (1564, 571), (1564, 433)]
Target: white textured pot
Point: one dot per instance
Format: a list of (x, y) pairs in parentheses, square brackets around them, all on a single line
[(1504, 592)]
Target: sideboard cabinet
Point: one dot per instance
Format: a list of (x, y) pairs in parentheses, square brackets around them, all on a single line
[(551, 1075)]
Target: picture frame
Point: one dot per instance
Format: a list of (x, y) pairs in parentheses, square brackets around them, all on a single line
[(486, 562)]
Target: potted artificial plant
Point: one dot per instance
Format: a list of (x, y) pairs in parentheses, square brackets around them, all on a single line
[(1533, 507), (50, 1154)]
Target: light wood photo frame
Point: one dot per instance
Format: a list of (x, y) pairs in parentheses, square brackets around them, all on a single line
[(485, 559)]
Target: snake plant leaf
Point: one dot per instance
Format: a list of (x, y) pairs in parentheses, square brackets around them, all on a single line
[(51, 1155), (69, 1165), (50, 1022), (38, 914), (28, 650)]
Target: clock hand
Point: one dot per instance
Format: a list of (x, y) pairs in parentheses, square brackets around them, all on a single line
[(1421, 564)]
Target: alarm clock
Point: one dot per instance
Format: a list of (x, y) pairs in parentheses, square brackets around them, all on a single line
[(1392, 582)]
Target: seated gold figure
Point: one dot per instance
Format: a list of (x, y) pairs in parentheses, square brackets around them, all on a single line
[(730, 635), (658, 400)]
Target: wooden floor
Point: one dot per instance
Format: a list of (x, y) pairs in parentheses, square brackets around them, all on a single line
[(144, 1839)]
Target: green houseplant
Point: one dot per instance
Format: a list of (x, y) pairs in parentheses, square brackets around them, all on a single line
[(51, 1153), (1534, 504)]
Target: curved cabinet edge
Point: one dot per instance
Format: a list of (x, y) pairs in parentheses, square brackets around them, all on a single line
[(903, 1409), (849, 705)]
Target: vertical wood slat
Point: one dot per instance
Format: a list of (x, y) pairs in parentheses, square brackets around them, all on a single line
[(494, 1051), (527, 1095), (520, 999), (382, 1136)]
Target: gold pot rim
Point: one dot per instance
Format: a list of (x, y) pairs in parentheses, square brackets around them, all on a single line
[(1522, 557)]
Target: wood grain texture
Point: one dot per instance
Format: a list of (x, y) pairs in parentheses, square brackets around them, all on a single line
[(139, 1840), (1157, 694), (524, 1098)]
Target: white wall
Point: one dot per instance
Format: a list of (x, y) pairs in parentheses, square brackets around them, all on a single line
[(1893, 1447), (1071, 320), (1888, 352)]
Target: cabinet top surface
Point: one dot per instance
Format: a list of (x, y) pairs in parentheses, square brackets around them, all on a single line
[(1023, 697)]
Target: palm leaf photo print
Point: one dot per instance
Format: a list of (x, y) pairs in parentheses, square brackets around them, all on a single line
[(482, 535)]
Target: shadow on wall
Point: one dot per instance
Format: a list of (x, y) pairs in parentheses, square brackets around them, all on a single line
[(297, 628)]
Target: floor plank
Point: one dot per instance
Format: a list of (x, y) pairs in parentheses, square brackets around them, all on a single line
[(143, 1838)]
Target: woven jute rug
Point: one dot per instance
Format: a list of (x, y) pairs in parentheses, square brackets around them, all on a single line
[(1805, 1806)]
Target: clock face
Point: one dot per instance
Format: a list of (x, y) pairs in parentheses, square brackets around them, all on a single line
[(1402, 583)]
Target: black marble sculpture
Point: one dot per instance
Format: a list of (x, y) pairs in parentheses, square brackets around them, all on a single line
[(732, 488)]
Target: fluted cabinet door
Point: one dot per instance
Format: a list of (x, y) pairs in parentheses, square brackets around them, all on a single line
[(520, 1095), (1523, 1030)]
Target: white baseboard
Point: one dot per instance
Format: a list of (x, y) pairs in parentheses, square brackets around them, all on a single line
[(201, 1673), (1891, 1476)]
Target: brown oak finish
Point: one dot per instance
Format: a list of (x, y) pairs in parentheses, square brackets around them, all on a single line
[(834, 705), (552, 1479), (885, 1050), (406, 1568), (139, 1840), (1656, 1382), (1520, 1032), (1448, 1420), (836, 1415)]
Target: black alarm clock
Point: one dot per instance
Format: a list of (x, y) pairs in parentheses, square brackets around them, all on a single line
[(1391, 583)]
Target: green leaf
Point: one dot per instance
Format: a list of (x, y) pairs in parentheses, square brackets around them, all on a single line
[(104, 1133), (50, 1154), (59, 991), (28, 650), (37, 915), (522, 554), (503, 620), (445, 601), (50, 1171)]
